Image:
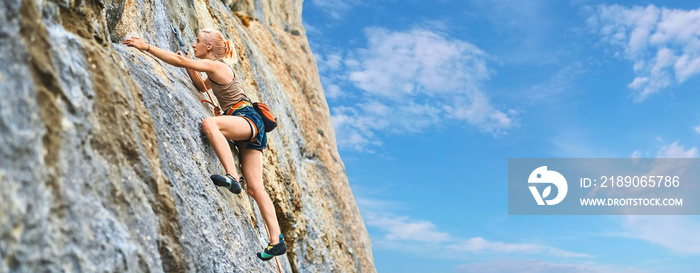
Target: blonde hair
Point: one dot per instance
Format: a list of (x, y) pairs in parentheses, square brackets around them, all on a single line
[(221, 48)]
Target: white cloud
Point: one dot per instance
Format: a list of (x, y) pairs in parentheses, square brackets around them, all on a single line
[(662, 43), (311, 30), (418, 62), (333, 91), (406, 229), (574, 142), (402, 232), (697, 129), (674, 150), (335, 8), (636, 154), (680, 233), (480, 245), (354, 130), (481, 114), (675, 167), (330, 64), (423, 78), (561, 82), (425, 238), (375, 204), (536, 266), (522, 266), (674, 232), (333, 62)]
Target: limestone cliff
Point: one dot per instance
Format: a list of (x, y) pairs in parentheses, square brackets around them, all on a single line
[(103, 165)]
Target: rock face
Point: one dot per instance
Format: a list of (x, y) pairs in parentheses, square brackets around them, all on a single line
[(103, 165)]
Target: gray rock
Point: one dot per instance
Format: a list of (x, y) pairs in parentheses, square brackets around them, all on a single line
[(104, 166)]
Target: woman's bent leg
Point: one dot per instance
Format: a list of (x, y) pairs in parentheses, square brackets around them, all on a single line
[(218, 129), (252, 171)]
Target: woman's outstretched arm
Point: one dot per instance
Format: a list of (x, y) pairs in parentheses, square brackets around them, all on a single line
[(172, 58)]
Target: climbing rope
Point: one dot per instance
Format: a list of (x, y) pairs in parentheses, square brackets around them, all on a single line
[(269, 236), (217, 111)]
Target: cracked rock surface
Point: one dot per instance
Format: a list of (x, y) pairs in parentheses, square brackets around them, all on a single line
[(103, 165)]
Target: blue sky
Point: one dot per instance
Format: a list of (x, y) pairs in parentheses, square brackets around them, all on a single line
[(429, 99)]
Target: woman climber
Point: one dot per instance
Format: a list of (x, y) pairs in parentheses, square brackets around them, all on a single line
[(240, 123)]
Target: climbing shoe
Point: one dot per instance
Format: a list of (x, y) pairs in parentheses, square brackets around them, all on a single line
[(271, 251), (227, 182)]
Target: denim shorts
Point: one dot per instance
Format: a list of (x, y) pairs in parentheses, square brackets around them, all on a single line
[(245, 110)]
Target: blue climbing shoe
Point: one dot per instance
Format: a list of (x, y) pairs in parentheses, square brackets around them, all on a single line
[(271, 251), (227, 182)]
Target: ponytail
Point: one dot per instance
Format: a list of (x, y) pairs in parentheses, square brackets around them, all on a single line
[(230, 51)]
